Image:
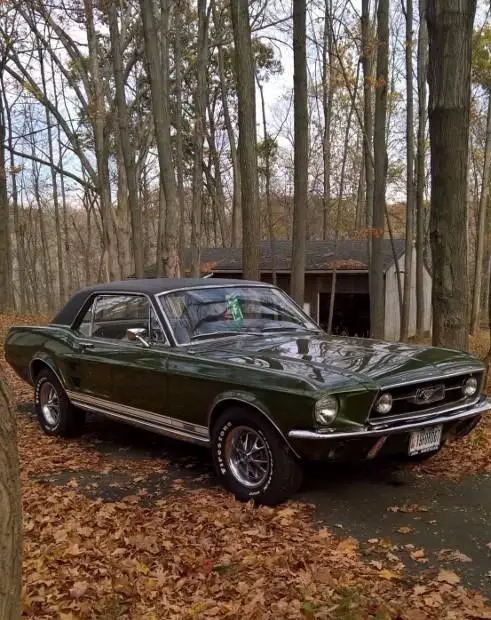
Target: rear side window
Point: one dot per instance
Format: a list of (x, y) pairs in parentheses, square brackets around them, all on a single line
[(85, 326)]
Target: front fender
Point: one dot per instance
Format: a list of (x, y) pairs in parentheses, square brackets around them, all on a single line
[(242, 397)]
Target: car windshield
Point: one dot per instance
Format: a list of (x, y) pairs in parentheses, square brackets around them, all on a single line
[(196, 314)]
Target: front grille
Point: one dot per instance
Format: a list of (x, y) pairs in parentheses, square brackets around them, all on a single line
[(421, 398)]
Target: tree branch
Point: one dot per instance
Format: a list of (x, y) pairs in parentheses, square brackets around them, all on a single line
[(59, 170)]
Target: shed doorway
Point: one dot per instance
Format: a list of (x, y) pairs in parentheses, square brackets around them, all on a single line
[(351, 314)]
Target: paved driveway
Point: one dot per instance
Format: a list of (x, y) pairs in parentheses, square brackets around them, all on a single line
[(423, 522)]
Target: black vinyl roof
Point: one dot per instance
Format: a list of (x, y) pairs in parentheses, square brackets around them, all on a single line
[(147, 286)]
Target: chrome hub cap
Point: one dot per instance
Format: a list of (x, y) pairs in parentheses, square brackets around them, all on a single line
[(247, 456), (49, 403)]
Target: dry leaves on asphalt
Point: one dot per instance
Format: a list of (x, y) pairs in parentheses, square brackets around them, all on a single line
[(195, 553)]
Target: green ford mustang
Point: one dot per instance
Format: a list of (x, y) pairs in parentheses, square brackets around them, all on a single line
[(237, 366)]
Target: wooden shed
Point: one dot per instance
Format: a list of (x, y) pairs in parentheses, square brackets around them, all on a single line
[(352, 300)]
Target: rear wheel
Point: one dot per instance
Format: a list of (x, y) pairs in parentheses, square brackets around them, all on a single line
[(56, 415), (252, 460)]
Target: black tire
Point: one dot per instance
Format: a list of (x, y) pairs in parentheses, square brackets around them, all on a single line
[(68, 421), (284, 471)]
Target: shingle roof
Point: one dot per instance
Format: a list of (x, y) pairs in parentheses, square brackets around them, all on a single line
[(349, 255)]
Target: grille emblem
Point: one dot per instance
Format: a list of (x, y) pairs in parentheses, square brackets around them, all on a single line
[(430, 394)]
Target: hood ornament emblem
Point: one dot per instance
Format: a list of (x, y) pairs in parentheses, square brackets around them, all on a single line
[(430, 394)]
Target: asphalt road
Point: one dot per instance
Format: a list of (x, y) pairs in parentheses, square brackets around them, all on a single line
[(444, 524)]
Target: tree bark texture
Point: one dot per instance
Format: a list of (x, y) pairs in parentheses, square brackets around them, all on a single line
[(245, 75), (408, 257), (481, 227), (301, 153), (450, 26), (10, 513), (157, 71), (377, 288), (422, 71), (199, 134)]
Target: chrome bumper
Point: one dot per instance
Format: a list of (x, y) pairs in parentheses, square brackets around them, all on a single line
[(377, 431)]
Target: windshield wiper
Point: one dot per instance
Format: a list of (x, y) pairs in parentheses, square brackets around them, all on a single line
[(297, 328), (218, 334)]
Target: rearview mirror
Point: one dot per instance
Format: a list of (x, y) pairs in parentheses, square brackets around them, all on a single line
[(137, 334)]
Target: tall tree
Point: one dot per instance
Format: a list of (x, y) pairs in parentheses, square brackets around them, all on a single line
[(125, 140), (301, 154), (245, 76), (5, 265), (377, 297), (450, 26), (199, 134), (327, 104), (98, 114), (422, 71), (10, 512), (367, 63), (224, 89), (408, 258), (157, 64), (481, 226)]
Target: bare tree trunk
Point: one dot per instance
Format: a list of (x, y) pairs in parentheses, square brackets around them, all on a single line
[(67, 254), (236, 204), (122, 218), (199, 134), (98, 120), (408, 258), (54, 182), (127, 150), (420, 169), (332, 298), (19, 237), (245, 75), (301, 155), (4, 224), (450, 24), (220, 194), (157, 72), (327, 101), (10, 512), (377, 288), (267, 175), (360, 216), (367, 62), (481, 227), (178, 124)]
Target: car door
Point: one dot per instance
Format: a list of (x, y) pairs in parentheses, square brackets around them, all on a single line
[(140, 368), (88, 363), (105, 368)]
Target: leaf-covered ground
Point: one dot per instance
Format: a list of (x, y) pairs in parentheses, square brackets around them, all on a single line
[(109, 536)]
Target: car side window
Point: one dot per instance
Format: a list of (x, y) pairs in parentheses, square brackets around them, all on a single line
[(115, 314), (85, 325)]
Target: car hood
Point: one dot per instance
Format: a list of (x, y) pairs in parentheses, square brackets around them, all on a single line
[(335, 361)]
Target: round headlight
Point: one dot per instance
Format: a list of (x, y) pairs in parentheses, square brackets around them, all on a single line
[(326, 410), (384, 403), (470, 387)]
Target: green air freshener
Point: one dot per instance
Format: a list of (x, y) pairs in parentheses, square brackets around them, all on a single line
[(234, 307)]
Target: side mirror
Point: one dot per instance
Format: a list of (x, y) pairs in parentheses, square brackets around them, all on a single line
[(137, 334)]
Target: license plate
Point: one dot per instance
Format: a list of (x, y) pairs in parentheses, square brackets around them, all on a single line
[(425, 440)]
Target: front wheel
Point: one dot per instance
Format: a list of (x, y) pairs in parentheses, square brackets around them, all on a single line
[(252, 459), (56, 415)]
